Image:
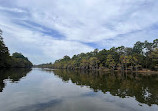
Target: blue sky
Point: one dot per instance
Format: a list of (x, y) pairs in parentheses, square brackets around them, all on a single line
[(46, 30)]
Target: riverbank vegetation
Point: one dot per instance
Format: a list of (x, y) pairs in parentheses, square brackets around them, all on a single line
[(142, 56), (16, 60)]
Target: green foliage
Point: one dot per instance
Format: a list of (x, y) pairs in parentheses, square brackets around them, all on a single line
[(16, 60), (4, 53), (93, 63), (142, 55), (20, 61), (110, 61), (154, 59)]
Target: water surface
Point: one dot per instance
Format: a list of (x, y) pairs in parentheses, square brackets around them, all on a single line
[(61, 90)]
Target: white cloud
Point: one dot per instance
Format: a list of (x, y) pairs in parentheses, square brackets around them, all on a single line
[(36, 46), (92, 20), (106, 23)]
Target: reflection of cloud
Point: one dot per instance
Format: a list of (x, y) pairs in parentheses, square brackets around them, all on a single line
[(89, 94), (69, 90), (40, 106), (41, 90)]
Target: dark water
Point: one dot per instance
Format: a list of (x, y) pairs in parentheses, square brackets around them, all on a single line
[(59, 90)]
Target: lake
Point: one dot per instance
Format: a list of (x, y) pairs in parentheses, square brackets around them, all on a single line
[(62, 90)]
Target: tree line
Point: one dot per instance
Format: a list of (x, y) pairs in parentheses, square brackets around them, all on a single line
[(14, 60), (142, 56)]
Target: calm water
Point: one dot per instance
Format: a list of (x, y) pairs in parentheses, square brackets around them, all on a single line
[(59, 90)]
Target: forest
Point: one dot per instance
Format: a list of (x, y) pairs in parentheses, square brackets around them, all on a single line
[(14, 60), (142, 56)]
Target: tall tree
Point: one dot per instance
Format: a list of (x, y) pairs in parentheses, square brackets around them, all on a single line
[(4, 53), (110, 61), (94, 63), (154, 56), (138, 47), (155, 43)]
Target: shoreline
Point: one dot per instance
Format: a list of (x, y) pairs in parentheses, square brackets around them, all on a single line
[(143, 72)]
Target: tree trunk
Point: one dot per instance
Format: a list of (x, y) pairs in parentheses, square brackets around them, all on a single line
[(126, 67), (131, 67)]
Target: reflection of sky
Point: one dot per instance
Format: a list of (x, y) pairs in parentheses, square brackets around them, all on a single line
[(43, 91)]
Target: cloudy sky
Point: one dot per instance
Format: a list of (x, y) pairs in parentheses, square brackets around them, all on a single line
[(46, 30)]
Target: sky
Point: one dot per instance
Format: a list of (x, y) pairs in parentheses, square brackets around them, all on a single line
[(47, 30)]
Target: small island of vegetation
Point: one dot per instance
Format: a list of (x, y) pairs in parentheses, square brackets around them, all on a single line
[(16, 60)]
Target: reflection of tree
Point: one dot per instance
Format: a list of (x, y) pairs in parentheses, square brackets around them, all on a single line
[(143, 88), (13, 75)]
